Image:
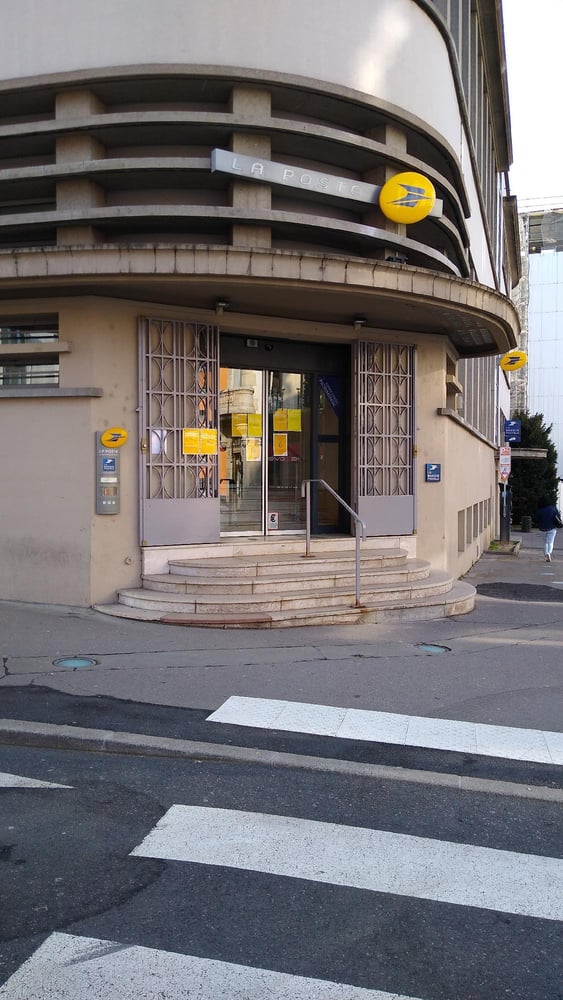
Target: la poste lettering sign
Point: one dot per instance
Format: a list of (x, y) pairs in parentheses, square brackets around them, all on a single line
[(415, 197)]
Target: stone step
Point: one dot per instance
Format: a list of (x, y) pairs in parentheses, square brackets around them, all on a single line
[(436, 582), (286, 563), (313, 580), (458, 600)]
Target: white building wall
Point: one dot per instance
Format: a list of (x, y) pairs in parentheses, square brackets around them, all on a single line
[(389, 49), (545, 343)]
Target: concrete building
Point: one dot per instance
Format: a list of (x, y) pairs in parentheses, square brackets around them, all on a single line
[(195, 252), (538, 386)]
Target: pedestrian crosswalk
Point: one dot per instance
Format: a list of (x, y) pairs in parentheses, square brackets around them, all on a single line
[(8, 780), (376, 860), (472, 883), (510, 743), (402, 908), (81, 968)]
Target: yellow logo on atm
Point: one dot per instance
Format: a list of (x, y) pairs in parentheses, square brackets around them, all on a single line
[(114, 437), (407, 197), (513, 360)]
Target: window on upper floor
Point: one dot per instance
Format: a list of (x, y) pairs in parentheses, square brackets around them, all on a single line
[(29, 351)]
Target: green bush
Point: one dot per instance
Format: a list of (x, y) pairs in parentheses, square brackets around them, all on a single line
[(532, 478)]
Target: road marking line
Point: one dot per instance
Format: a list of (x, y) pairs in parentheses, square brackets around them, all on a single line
[(361, 858), (73, 968), (387, 727), (20, 781)]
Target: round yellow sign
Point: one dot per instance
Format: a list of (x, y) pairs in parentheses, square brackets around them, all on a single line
[(513, 360), (407, 197), (114, 437)]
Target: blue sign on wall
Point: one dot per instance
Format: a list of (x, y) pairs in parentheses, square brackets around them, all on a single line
[(433, 472), (512, 431)]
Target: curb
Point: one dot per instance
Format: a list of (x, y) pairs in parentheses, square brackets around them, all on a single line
[(42, 734)]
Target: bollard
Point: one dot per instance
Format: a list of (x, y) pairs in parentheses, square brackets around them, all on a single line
[(526, 522), (505, 512)]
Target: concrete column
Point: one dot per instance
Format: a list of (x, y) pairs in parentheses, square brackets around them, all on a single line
[(77, 195), (396, 141), (254, 105)]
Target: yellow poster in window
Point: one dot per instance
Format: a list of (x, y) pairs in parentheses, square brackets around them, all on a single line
[(253, 450), (208, 441), (294, 420), (280, 420), (190, 441), (255, 425), (196, 441), (239, 425), (280, 445)]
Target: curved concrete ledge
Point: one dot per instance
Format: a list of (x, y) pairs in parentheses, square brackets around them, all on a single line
[(366, 236), (286, 81), (476, 318)]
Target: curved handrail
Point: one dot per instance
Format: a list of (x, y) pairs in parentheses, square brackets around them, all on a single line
[(306, 493)]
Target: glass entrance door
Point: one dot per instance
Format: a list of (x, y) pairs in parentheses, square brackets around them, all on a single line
[(277, 429), (289, 449), (241, 467)]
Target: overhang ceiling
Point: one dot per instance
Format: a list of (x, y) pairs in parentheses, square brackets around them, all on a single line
[(328, 295)]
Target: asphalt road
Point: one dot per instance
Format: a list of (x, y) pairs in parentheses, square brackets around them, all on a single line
[(41, 704), (67, 869)]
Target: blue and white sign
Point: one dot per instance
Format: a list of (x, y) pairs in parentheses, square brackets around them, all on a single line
[(433, 472), (108, 465), (512, 431)]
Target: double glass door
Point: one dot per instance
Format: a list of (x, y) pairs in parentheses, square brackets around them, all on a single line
[(278, 428)]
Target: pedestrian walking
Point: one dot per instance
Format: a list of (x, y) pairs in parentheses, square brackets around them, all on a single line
[(548, 520)]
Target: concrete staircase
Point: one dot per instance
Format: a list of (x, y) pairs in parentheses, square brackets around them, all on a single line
[(271, 584)]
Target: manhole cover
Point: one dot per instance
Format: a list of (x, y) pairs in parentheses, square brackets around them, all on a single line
[(432, 647), (520, 592), (74, 662)]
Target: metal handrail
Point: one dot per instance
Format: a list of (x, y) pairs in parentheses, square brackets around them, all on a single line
[(306, 493)]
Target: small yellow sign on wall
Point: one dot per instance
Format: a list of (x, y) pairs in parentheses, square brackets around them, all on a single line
[(114, 437), (513, 360)]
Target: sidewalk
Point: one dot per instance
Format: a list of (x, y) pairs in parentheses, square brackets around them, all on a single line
[(502, 664)]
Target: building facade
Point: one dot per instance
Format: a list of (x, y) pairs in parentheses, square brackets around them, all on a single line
[(195, 257), (537, 387)]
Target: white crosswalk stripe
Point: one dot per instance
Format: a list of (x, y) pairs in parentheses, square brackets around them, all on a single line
[(69, 967), (8, 780), (485, 883), (66, 967), (387, 727), (376, 860)]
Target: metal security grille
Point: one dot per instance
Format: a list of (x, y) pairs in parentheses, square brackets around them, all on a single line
[(179, 379), (384, 383)]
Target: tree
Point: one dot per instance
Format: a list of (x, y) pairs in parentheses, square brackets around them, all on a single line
[(533, 478)]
